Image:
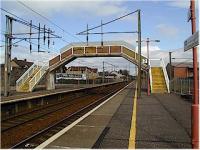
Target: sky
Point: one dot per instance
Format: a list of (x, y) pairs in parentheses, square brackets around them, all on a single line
[(162, 20)]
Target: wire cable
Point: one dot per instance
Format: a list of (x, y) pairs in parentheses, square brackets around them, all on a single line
[(44, 17)]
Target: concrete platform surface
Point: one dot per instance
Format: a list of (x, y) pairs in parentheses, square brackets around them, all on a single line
[(90, 132), (163, 121)]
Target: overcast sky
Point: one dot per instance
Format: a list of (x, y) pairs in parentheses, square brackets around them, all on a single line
[(163, 20)]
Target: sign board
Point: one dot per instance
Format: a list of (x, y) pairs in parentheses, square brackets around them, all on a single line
[(192, 41), (68, 76)]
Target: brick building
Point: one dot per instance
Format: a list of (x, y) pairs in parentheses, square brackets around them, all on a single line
[(180, 69)]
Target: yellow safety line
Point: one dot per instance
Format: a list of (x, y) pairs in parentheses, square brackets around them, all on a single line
[(133, 123)]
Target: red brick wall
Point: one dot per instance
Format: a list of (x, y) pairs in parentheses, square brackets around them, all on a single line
[(180, 72)]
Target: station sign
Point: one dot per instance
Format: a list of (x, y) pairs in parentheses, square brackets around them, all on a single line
[(68, 76), (192, 41)]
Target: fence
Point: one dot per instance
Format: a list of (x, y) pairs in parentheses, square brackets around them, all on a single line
[(183, 86)]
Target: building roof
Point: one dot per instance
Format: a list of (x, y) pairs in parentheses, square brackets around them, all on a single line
[(182, 64), (82, 68), (22, 63)]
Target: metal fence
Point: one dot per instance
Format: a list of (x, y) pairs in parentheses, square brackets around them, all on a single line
[(183, 86)]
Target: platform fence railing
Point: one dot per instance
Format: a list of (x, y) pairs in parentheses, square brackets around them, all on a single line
[(183, 86)]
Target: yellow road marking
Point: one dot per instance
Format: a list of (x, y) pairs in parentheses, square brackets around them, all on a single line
[(133, 124)]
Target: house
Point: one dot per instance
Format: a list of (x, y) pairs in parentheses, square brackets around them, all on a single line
[(180, 69), (22, 64), (89, 73), (18, 68)]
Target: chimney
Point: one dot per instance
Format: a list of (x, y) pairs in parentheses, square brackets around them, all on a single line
[(25, 60)]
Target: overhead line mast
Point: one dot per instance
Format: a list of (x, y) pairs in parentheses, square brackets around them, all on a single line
[(9, 36), (86, 32)]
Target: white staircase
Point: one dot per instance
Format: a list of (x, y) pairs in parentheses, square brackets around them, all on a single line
[(28, 81)]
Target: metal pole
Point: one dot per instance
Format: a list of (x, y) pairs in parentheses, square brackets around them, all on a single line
[(87, 38), (170, 70), (8, 46), (148, 83), (139, 52), (103, 72), (195, 106), (101, 33), (80, 74)]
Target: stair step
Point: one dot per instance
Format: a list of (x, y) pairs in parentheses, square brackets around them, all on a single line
[(159, 85), (159, 91), (158, 80)]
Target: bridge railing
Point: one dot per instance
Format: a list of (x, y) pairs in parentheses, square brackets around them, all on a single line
[(165, 74), (37, 77), (25, 76)]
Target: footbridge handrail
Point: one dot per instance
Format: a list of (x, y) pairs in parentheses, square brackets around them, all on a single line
[(165, 74), (25, 76), (37, 77), (150, 74)]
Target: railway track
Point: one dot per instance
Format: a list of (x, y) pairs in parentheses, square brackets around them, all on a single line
[(30, 129)]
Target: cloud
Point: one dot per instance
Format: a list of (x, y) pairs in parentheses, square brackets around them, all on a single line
[(91, 8), (167, 30), (23, 53), (180, 3), (151, 49)]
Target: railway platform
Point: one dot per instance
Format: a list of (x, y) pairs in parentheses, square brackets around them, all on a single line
[(125, 121), (19, 96), (163, 121)]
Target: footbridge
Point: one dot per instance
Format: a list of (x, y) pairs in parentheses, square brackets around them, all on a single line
[(76, 50)]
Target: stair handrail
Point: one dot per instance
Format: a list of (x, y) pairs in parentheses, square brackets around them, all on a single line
[(25, 75), (165, 74), (36, 78), (150, 75)]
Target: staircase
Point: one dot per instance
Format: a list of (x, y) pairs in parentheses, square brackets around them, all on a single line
[(158, 80), (28, 81), (158, 76)]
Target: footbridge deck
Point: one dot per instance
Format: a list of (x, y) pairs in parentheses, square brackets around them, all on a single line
[(94, 49)]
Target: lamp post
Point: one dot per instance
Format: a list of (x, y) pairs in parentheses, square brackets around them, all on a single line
[(148, 83)]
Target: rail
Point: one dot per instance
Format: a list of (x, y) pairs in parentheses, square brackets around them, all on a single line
[(36, 78), (25, 76)]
